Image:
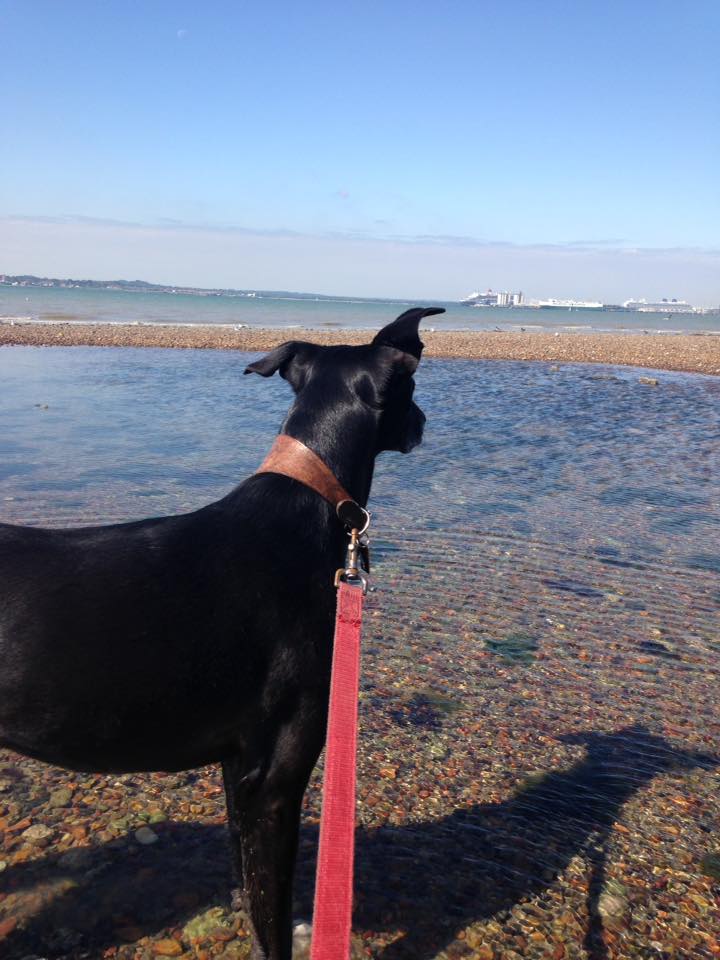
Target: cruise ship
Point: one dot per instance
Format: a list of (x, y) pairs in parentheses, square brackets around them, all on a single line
[(490, 298), (553, 304), (659, 306)]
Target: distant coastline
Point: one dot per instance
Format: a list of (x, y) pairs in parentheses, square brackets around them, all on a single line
[(143, 286), (489, 299)]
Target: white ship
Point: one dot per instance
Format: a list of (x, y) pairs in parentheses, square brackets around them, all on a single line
[(553, 304), (659, 306), (490, 298)]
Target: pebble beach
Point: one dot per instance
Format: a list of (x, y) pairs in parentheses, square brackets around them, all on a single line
[(695, 353)]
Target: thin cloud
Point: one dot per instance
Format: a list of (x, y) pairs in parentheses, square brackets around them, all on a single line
[(162, 223), (615, 242), (608, 247), (372, 264)]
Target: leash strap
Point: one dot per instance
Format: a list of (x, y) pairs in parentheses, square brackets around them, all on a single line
[(332, 915)]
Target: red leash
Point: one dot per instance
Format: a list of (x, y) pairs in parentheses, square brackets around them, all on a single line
[(332, 916)]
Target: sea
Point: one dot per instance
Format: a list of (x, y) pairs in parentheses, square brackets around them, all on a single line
[(539, 751), (83, 305), (539, 748)]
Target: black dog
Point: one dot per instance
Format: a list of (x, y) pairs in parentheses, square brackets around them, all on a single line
[(174, 642)]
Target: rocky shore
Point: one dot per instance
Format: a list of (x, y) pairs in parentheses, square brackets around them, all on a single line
[(682, 352)]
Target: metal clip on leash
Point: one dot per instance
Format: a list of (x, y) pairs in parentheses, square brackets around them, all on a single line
[(357, 562)]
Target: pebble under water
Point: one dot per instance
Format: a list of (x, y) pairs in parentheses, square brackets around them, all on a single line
[(540, 734)]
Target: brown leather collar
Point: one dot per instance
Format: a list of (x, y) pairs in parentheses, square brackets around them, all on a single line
[(292, 458)]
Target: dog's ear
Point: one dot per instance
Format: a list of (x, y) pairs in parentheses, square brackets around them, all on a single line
[(403, 332), (290, 358)]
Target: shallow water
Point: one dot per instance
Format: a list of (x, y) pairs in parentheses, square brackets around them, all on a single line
[(538, 765)]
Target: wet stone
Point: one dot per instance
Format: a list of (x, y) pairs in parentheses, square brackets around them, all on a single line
[(514, 647), (146, 836), (710, 865), (37, 833), (75, 859), (202, 926), (613, 904), (167, 948), (60, 798)]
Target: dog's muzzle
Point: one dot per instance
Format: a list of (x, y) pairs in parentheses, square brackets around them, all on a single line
[(414, 427)]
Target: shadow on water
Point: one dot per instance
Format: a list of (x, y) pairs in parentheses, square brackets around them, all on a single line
[(425, 879)]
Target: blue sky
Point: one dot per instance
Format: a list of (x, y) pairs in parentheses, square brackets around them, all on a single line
[(137, 134)]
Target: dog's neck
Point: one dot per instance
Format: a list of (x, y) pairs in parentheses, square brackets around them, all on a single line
[(347, 448), (292, 458)]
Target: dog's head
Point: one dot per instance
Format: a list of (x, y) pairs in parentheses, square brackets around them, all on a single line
[(375, 378)]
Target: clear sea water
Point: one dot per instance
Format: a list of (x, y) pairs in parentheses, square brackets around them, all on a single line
[(540, 728), (110, 306), (579, 454)]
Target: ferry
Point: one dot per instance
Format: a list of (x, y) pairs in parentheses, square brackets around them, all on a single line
[(553, 304)]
